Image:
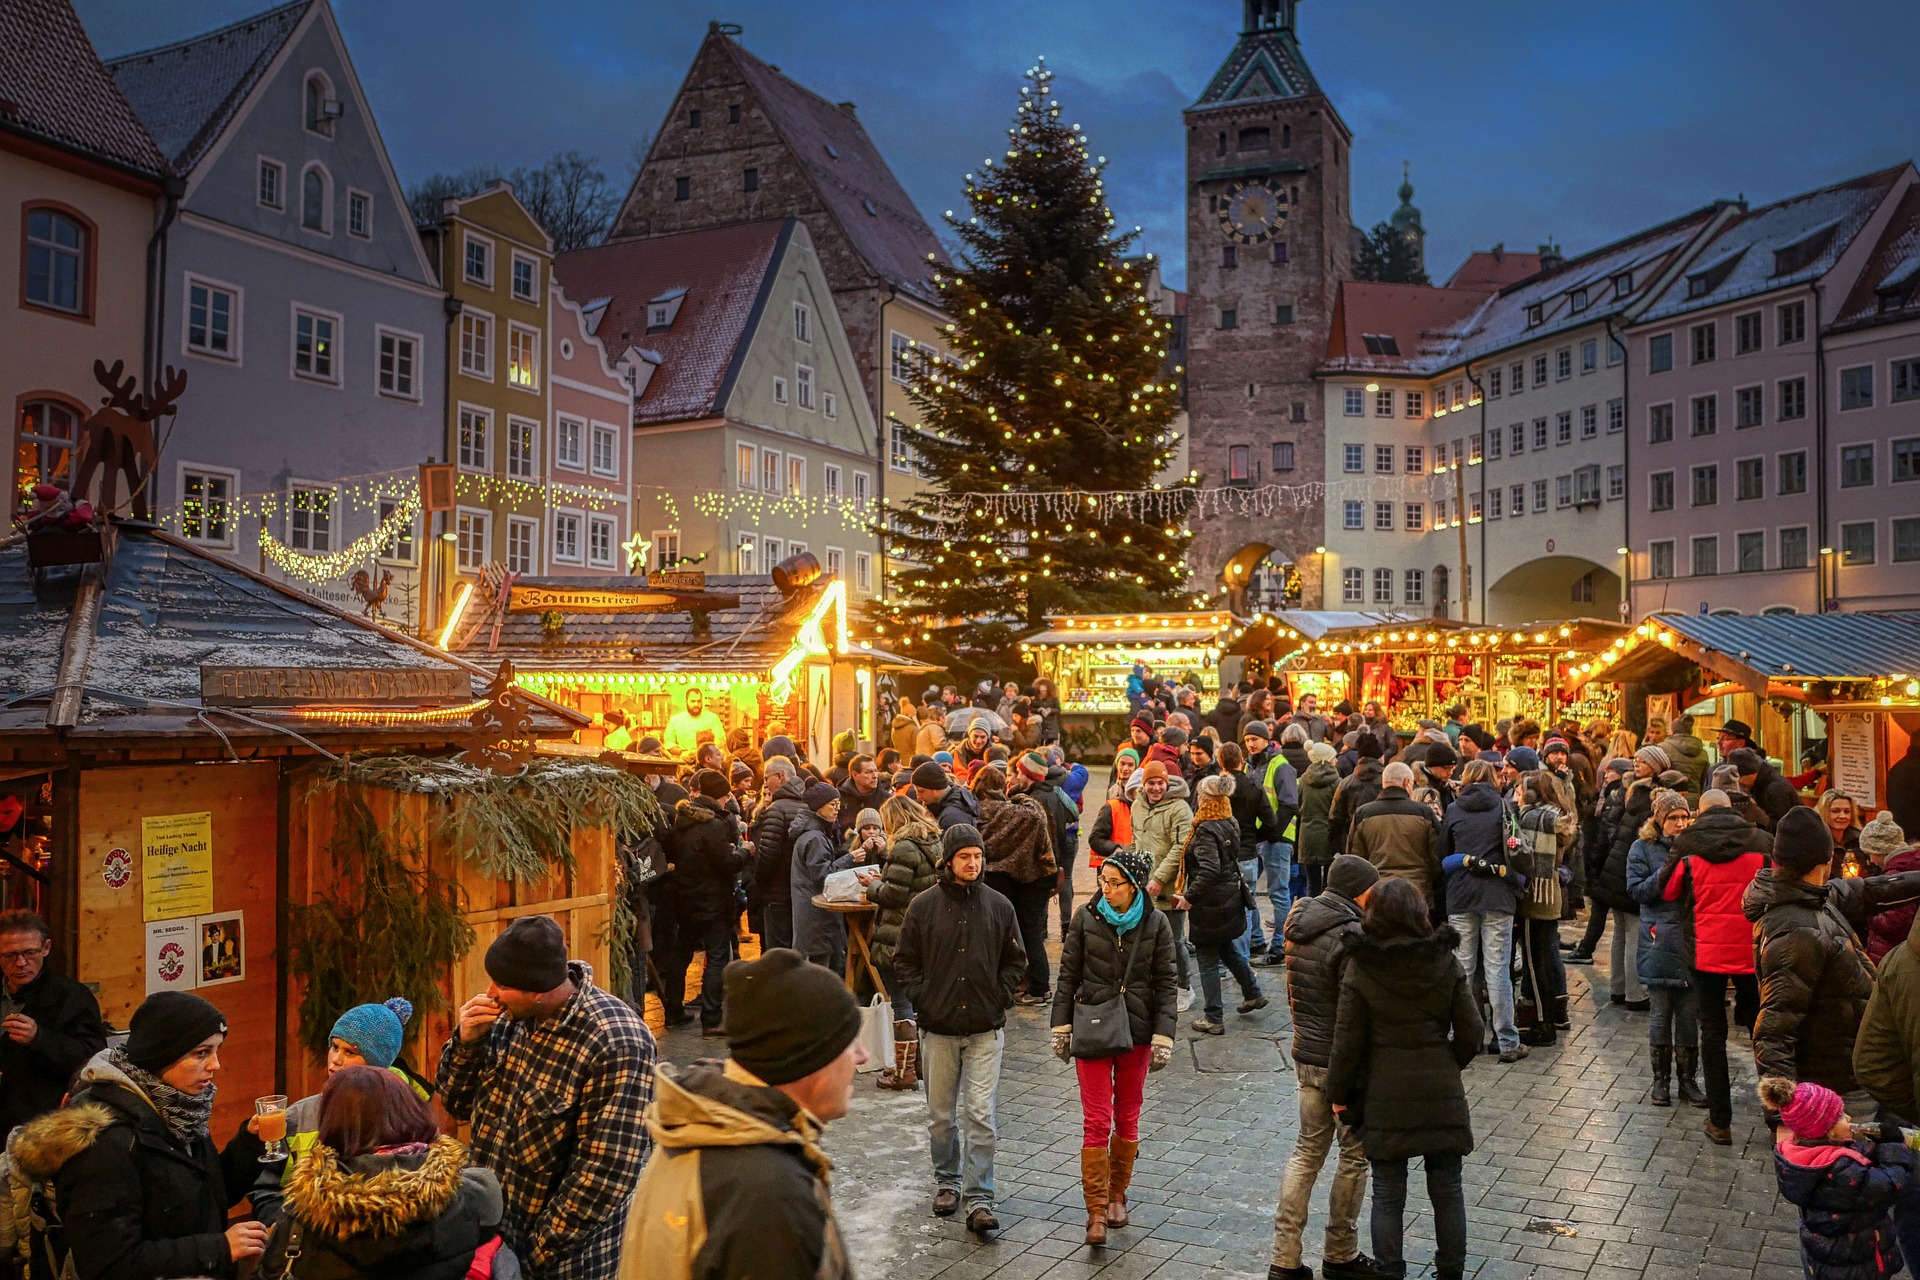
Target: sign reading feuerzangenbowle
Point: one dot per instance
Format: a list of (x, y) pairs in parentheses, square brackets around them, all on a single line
[(296, 686)]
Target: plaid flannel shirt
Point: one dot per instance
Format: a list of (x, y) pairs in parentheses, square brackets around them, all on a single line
[(557, 1112)]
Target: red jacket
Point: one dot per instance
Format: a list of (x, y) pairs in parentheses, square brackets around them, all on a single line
[(1717, 863)]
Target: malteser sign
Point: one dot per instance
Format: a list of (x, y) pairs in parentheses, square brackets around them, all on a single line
[(297, 686)]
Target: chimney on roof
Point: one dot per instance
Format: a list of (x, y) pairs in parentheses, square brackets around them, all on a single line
[(845, 106), (1551, 258), (1500, 252)]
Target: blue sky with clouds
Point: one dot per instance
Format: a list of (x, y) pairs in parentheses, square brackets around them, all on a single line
[(1522, 120)]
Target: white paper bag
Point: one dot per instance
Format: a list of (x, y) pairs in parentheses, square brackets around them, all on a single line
[(876, 1034), (844, 886)]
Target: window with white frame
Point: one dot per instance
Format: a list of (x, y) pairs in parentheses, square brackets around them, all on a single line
[(1706, 415), (523, 357), (666, 548), (1353, 458), (477, 259), (206, 498), (1383, 459), (830, 482), (316, 199), (770, 471), (829, 405), (310, 518), (1793, 548), (1416, 588), (1517, 439), (526, 278), (796, 475), (1416, 459), (1495, 382), (400, 545), (1416, 517), (315, 334), (1517, 500), (1383, 586), (1706, 555), (213, 319), (1496, 442), (900, 455), (863, 571), (1589, 421), (803, 386), (398, 358), (606, 450), (523, 448), (1539, 495), (1383, 517), (474, 447), (1353, 586), (772, 552), (1660, 491), (569, 436), (862, 488), (802, 322), (1793, 399), (1563, 363), (1660, 559), (1539, 433), (1354, 402), (1353, 514), (1473, 508), (1749, 552), (743, 466), (1616, 482), (476, 344), (779, 390), (566, 536), (836, 562), (1416, 402), (360, 214), (1563, 427), (1589, 355), (1793, 322), (1496, 503), (1516, 378), (522, 532), (1473, 448), (472, 539), (1539, 371), (1616, 416), (1383, 403), (272, 191), (900, 362), (602, 535), (746, 554)]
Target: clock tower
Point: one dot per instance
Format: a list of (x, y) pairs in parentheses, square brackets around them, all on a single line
[(1269, 228)]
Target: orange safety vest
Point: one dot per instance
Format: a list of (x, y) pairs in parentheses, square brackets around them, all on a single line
[(1122, 821)]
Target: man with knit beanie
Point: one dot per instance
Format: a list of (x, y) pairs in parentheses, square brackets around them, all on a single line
[(960, 960), (1317, 933), (737, 1185), (553, 1074), (1814, 978)]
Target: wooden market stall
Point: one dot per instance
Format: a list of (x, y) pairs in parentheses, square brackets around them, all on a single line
[(1418, 667), (165, 718), (1089, 657), (1846, 684), (687, 656)]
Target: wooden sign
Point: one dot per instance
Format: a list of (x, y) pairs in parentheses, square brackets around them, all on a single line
[(539, 599), (1854, 758), (678, 580), (436, 487), (295, 686)]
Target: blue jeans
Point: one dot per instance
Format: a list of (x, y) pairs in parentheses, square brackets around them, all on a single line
[(1276, 858), (1486, 943), (963, 1075), (1253, 937)]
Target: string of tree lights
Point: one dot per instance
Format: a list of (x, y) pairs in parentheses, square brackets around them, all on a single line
[(1057, 384), (1177, 502)]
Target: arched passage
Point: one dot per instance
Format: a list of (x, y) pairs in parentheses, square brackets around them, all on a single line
[(1259, 576), (1554, 587)]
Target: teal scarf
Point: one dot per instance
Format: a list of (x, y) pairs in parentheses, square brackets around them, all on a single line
[(1121, 921)]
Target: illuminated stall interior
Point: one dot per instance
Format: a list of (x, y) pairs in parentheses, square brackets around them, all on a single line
[(1089, 656)]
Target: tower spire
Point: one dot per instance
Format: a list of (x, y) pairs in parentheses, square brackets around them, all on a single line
[(1268, 15)]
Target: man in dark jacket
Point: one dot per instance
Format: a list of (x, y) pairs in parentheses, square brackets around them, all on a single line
[(1253, 812), (1361, 786), (1200, 765), (49, 1024), (706, 862), (1031, 775), (960, 961), (1759, 779), (737, 1142), (1317, 932), (1483, 887), (1397, 834), (1814, 977), (772, 833), (863, 789), (950, 805)]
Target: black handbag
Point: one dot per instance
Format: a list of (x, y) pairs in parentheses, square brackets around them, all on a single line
[(1104, 1030)]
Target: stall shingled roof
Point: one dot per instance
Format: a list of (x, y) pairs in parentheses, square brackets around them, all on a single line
[(160, 609)]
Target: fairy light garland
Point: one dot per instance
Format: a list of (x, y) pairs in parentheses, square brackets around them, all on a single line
[(327, 566)]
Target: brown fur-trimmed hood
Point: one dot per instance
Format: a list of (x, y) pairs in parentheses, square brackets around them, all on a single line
[(42, 1147), (374, 1195)]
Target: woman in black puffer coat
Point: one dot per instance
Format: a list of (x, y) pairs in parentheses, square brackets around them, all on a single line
[(1407, 1026), (382, 1193), (1217, 899), (1118, 944)]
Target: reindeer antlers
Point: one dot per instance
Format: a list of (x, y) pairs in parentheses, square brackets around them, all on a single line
[(161, 402), (121, 395), (144, 407)]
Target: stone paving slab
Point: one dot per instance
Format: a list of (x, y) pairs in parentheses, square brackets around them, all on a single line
[(1566, 1136)]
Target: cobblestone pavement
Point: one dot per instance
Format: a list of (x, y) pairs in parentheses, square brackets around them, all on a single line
[(1575, 1173)]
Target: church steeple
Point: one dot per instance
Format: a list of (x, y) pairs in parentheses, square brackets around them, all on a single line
[(1268, 15), (1406, 216), (1266, 62)]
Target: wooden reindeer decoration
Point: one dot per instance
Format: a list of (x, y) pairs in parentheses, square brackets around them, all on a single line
[(118, 439)]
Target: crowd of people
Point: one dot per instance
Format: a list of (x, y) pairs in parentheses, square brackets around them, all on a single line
[(1406, 892)]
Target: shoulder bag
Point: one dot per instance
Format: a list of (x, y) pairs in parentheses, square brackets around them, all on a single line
[(1104, 1030)]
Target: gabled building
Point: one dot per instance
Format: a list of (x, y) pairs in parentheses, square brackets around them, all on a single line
[(495, 262), (591, 438), (87, 185), (1741, 492), (743, 143), (752, 437), (298, 299)]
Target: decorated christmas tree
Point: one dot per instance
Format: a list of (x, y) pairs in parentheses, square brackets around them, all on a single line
[(1045, 426)]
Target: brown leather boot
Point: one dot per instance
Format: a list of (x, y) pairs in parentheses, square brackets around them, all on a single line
[(1121, 1155), (905, 1072), (1093, 1184)]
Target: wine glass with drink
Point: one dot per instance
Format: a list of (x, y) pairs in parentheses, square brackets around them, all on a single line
[(271, 1125)]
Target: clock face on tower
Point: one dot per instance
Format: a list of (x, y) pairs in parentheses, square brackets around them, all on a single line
[(1251, 212)]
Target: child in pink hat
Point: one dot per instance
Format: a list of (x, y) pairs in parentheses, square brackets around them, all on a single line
[(1844, 1185)]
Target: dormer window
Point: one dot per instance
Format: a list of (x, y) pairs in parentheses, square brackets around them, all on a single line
[(321, 107), (1805, 251), (661, 311), (1711, 277), (1578, 300), (1622, 284), (1536, 315), (1381, 344)]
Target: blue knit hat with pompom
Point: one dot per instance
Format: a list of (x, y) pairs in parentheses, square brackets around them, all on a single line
[(376, 1030)]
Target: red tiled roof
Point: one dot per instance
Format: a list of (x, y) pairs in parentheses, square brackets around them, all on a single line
[(1892, 270), (1421, 320), (852, 177), (724, 270), (188, 92), (54, 88), (1494, 268)]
